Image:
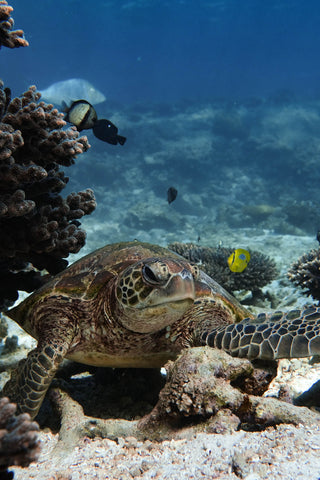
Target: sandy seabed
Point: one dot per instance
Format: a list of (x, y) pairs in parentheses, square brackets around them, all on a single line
[(286, 453)]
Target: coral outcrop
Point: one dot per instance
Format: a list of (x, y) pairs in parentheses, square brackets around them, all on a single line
[(8, 37), (305, 272), (219, 394), (260, 271), (19, 444), (38, 228)]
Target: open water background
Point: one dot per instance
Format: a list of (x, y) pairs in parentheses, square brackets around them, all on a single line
[(159, 50), (219, 99)]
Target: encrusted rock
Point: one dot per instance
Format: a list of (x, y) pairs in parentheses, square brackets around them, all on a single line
[(207, 388)]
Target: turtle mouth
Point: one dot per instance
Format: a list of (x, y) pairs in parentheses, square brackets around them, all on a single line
[(174, 304), (151, 318)]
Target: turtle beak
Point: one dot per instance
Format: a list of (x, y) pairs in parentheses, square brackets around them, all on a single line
[(180, 287)]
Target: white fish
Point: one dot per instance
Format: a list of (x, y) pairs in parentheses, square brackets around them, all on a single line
[(70, 90)]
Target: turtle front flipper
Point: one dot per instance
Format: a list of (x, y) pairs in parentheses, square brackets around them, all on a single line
[(293, 334), (30, 381)]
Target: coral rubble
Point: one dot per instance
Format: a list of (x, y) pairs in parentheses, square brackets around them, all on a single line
[(305, 272), (19, 444), (260, 271), (38, 228), (8, 37)]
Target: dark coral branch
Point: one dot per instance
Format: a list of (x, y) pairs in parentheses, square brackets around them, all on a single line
[(18, 275), (19, 444), (41, 126), (38, 227), (8, 37)]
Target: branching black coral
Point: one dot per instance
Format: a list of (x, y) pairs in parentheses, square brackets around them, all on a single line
[(305, 272), (260, 271), (19, 444), (38, 228)]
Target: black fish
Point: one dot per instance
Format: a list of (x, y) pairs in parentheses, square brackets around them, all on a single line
[(107, 132), (81, 113), (172, 194)]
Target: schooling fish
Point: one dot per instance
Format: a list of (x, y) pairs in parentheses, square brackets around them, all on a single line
[(69, 90), (81, 113), (107, 132), (172, 194), (238, 260)]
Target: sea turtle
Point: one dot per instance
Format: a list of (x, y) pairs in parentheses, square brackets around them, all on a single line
[(137, 305)]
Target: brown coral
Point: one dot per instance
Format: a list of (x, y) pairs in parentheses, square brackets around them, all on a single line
[(223, 393), (37, 225), (305, 272), (9, 38), (260, 271), (19, 444)]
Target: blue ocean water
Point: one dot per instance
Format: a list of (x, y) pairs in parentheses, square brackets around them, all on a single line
[(158, 50), (219, 99)]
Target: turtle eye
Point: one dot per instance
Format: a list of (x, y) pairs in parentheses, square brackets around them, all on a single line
[(149, 275), (155, 273)]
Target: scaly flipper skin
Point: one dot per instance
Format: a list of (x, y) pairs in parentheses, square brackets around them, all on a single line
[(294, 334), (30, 381)]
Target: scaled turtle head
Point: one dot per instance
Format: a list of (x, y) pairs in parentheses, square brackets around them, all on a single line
[(155, 292)]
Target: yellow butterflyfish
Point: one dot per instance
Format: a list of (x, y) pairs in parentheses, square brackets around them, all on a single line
[(238, 260)]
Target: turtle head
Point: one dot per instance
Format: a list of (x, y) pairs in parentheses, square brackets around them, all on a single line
[(155, 292)]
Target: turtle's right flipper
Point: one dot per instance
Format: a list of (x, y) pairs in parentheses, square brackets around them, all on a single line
[(294, 334), (30, 381)]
